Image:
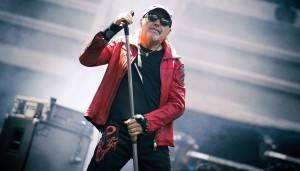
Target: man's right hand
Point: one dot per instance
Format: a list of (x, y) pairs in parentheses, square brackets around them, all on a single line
[(125, 16)]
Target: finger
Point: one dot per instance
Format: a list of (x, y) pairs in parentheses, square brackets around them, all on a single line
[(135, 132), (133, 126), (129, 121), (125, 16), (129, 17)]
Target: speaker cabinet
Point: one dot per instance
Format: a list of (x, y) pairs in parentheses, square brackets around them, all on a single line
[(60, 142), (57, 148), (15, 141)]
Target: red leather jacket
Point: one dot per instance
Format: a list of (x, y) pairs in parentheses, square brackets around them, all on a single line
[(113, 53)]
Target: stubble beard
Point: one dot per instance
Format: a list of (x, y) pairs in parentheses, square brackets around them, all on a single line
[(153, 37)]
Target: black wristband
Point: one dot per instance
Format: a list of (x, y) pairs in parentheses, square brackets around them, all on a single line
[(110, 31), (142, 120)]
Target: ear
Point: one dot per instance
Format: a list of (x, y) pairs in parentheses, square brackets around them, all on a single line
[(169, 31), (141, 22)]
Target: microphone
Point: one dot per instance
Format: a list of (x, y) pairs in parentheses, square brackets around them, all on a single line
[(125, 23), (131, 12)]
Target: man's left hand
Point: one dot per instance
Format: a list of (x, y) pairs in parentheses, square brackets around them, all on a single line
[(134, 128)]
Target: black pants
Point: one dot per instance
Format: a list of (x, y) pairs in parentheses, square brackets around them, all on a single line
[(114, 150)]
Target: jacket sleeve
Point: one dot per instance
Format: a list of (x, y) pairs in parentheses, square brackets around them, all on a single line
[(175, 105), (98, 52)]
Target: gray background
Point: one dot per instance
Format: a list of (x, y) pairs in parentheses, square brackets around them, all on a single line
[(241, 57)]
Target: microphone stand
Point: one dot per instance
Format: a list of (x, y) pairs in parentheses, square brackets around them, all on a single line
[(129, 73)]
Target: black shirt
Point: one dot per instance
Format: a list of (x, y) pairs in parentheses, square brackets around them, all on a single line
[(146, 84)]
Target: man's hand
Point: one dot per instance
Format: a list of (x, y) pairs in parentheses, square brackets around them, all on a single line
[(134, 128), (125, 16)]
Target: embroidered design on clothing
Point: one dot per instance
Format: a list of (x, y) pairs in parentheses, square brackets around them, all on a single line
[(107, 141)]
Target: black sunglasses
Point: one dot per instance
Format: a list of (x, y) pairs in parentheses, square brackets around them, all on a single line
[(164, 22)]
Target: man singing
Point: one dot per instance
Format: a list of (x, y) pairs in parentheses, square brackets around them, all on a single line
[(158, 92)]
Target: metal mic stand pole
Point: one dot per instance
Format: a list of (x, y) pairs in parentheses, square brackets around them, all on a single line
[(133, 138)]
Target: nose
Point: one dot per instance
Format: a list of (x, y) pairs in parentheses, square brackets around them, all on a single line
[(157, 22)]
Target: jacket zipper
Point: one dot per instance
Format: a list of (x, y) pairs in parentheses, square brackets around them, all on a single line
[(154, 145)]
